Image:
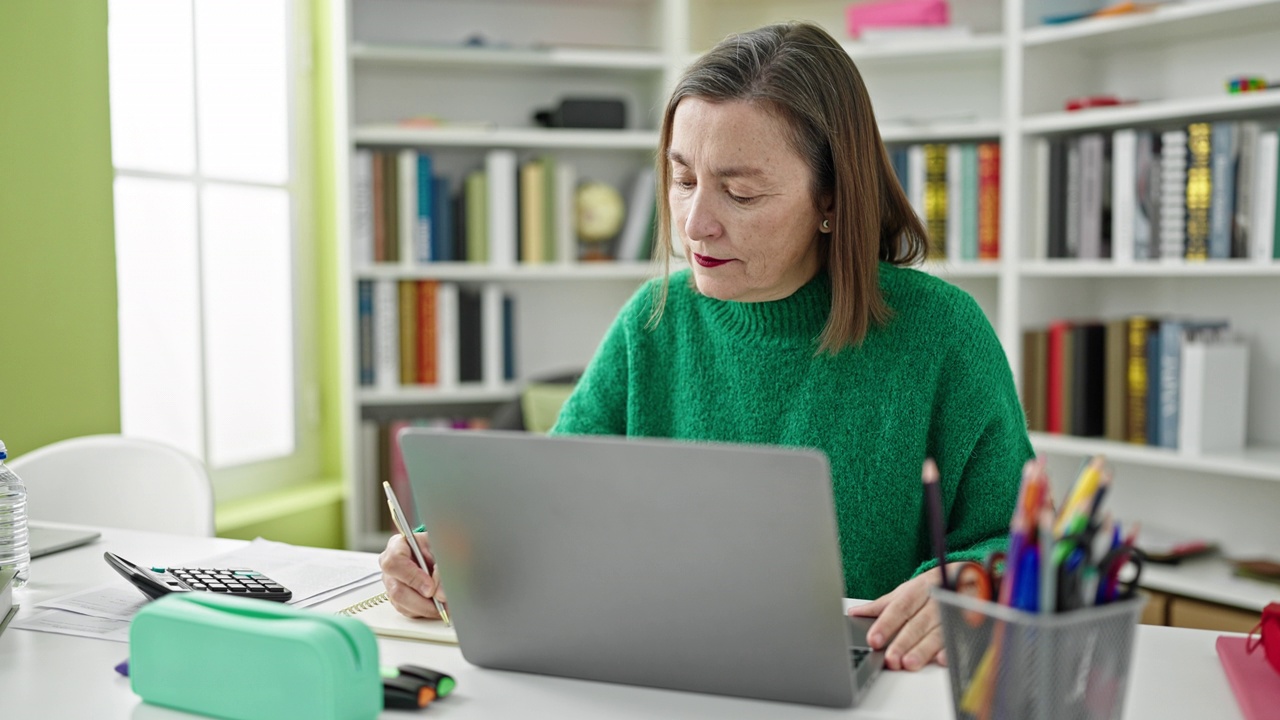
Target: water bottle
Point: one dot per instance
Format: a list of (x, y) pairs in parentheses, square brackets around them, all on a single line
[(13, 521)]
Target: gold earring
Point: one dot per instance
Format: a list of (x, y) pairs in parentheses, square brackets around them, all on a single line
[(826, 226)]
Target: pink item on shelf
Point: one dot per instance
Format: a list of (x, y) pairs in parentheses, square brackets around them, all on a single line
[(897, 13)]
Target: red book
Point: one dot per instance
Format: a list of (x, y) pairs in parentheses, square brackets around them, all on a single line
[(428, 354), (1255, 683), (399, 474), (988, 201), (1056, 383)]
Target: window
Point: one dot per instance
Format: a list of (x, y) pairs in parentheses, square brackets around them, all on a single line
[(205, 126)]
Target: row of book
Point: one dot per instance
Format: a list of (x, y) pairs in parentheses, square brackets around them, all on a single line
[(1207, 191), (955, 190), (502, 213), (382, 461), (431, 333), (1166, 382)]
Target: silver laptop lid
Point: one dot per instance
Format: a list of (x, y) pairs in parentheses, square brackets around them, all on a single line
[(702, 567)]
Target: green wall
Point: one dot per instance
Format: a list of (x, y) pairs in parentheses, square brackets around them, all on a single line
[(59, 368)]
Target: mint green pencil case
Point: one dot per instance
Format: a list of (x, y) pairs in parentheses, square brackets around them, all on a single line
[(242, 659)]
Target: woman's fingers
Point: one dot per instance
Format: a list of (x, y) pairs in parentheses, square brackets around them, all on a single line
[(409, 587), (919, 640)]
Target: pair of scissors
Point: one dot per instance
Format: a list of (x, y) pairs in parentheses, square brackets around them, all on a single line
[(981, 581), (1110, 586)]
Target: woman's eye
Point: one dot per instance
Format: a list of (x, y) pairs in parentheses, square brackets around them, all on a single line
[(742, 199), (684, 184)]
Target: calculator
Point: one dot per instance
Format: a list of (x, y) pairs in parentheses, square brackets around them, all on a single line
[(157, 581)]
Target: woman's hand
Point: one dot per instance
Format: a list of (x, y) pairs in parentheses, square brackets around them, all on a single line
[(409, 588), (910, 614)]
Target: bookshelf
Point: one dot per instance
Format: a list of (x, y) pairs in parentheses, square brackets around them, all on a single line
[(1004, 82)]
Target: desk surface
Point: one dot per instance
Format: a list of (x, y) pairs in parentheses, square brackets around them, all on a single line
[(1176, 672)]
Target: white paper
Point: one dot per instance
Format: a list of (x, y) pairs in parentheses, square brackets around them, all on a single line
[(307, 572), (70, 623), (105, 601)]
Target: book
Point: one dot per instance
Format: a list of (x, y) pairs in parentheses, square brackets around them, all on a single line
[(1115, 382), (1246, 168), (632, 241), (1200, 178), (1057, 383), (533, 206), (1089, 373), (1173, 198), (441, 220), (386, 335), (385, 621), (1254, 682), (476, 194), (1056, 200), (1266, 199), (500, 171), (989, 201), (1214, 393), (1224, 155), (491, 336), (1075, 175), (470, 336), (1035, 349), (1146, 189), (424, 206), (364, 325), (447, 335), (1091, 176), (428, 344), (955, 206), (935, 198), (915, 181), (1124, 196), (1136, 387), (566, 237), (362, 207), (398, 472), (1172, 332), (408, 291)]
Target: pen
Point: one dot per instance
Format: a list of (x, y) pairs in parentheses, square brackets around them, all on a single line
[(933, 503), (402, 524)]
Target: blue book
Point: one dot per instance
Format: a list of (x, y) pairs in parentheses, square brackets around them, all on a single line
[(1153, 384), (1224, 154), (442, 221), (422, 237), (1172, 333), (364, 306)]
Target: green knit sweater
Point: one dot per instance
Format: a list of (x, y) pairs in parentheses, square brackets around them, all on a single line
[(932, 382)]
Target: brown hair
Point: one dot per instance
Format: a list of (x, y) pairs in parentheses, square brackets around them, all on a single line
[(800, 73)]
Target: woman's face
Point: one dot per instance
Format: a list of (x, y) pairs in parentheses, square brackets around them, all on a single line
[(741, 200)]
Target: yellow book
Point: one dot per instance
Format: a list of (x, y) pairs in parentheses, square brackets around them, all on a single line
[(533, 208), (384, 620), (408, 333)]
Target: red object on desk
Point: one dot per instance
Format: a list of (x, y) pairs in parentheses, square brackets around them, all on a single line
[(1256, 685), (1092, 101)]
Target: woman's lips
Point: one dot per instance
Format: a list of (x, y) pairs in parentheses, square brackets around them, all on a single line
[(708, 261)]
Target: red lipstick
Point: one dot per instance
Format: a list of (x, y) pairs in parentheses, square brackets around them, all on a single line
[(707, 261)]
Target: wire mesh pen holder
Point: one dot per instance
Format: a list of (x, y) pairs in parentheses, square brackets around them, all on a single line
[(1007, 664)]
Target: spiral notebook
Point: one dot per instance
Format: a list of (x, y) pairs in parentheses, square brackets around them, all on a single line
[(378, 613)]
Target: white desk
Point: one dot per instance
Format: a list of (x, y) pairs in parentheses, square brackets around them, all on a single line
[(1175, 675)]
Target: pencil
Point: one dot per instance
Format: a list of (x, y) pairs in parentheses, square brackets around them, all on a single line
[(937, 528)]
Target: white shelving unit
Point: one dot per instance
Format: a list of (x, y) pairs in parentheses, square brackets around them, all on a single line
[(1006, 81)]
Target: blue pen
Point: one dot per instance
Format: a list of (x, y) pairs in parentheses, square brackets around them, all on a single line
[(1026, 596)]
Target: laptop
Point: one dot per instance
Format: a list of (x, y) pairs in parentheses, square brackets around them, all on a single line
[(710, 568), (48, 539)]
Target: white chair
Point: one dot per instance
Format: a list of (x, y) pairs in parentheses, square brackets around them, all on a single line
[(115, 481)]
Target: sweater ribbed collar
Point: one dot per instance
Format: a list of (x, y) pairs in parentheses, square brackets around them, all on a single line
[(796, 320)]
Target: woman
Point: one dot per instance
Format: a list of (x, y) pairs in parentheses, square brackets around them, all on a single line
[(797, 324)]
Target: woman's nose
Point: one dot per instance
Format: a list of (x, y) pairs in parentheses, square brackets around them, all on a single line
[(701, 222)]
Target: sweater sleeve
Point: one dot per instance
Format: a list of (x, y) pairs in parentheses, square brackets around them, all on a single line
[(598, 405), (978, 436)]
